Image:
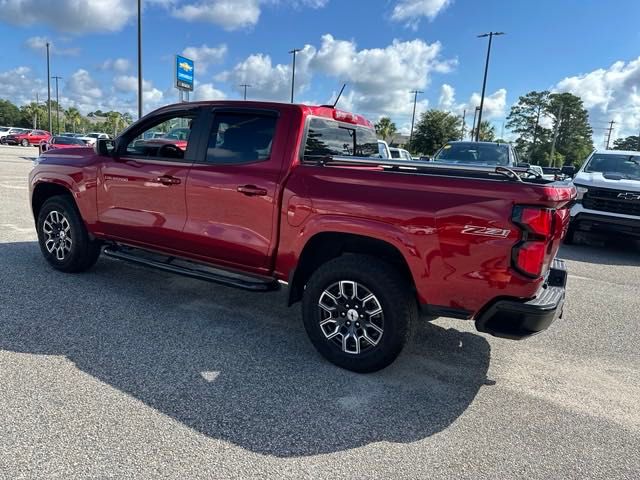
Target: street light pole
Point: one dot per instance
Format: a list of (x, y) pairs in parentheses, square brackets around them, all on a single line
[(413, 116), (57, 105), (473, 125), (139, 59), (49, 88), (484, 81), (293, 71), (245, 89)]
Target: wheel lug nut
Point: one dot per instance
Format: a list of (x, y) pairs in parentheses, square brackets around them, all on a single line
[(348, 323), (343, 314)]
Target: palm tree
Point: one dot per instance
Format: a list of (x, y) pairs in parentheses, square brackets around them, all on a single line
[(386, 129), (73, 116), (32, 112)]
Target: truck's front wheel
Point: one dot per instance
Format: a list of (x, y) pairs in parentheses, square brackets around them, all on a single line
[(357, 311), (63, 238)]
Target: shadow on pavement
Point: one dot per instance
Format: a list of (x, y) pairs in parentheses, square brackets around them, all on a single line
[(603, 250), (230, 364)]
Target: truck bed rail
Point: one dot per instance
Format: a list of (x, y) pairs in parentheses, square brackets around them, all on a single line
[(516, 174)]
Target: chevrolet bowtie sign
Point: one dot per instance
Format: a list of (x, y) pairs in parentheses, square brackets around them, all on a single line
[(629, 196), (184, 73)]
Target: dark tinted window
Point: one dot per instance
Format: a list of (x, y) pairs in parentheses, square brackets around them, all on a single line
[(328, 137), (474, 153), (67, 141), (241, 137), (395, 153)]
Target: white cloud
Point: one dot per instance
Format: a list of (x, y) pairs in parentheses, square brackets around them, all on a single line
[(381, 78), (20, 86), (411, 11), (447, 97), (234, 14), (119, 65), (611, 93), (203, 56), (494, 104), (39, 45), (82, 88), (268, 81), (206, 91), (228, 14), (75, 16)]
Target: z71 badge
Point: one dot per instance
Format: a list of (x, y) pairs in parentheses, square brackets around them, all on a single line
[(485, 231)]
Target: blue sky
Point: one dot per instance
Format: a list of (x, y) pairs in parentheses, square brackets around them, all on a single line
[(382, 49)]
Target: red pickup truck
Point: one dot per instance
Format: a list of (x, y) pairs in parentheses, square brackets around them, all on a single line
[(261, 195)]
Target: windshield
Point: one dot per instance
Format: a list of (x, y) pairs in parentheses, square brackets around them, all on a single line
[(474, 153), (179, 133), (4, 129), (93, 135), (627, 166)]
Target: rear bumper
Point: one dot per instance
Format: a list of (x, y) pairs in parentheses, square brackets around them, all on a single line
[(517, 319), (602, 223)]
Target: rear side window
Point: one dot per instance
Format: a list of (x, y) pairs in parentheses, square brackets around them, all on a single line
[(395, 154), (239, 137), (328, 137)]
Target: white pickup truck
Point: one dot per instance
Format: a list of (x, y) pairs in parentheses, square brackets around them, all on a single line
[(608, 201)]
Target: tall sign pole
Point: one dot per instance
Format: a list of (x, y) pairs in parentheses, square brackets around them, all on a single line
[(140, 59), (49, 88)]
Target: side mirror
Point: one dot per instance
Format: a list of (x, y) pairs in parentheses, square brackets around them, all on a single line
[(105, 147), (568, 171)]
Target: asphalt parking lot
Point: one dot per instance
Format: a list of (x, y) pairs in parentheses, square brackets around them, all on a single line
[(124, 372)]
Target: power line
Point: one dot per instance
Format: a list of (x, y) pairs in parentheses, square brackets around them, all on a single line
[(413, 117), (245, 86)]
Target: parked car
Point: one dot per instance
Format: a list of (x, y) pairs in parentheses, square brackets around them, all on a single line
[(383, 149), (92, 137), (400, 153), (267, 194), (27, 138), (60, 141), (608, 201), (6, 131), (477, 153)]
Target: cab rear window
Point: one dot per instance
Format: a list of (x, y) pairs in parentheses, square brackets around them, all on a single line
[(330, 138)]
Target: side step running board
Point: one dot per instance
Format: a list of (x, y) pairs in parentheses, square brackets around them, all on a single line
[(191, 269)]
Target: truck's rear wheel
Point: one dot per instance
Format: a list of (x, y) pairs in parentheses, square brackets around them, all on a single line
[(357, 311), (63, 238)]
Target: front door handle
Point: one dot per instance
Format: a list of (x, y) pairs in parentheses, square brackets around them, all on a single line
[(252, 191), (168, 180)]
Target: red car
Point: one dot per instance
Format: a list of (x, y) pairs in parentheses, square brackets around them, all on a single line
[(31, 137), (269, 194), (60, 142)]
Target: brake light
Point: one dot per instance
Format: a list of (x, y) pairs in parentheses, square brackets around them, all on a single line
[(538, 221), (530, 258), (530, 255), (345, 116)]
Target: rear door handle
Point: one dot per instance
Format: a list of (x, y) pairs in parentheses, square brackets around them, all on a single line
[(168, 180), (252, 191)]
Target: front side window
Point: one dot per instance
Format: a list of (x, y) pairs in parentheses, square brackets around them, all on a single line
[(330, 138), (241, 137), (146, 145)]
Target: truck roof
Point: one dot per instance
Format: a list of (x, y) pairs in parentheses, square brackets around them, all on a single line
[(326, 111)]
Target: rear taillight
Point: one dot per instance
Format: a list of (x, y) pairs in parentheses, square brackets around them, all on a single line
[(532, 253)]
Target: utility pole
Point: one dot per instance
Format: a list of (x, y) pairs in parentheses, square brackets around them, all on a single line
[(556, 129), (245, 89), (609, 134), (49, 88), (473, 126), (638, 146), (293, 70), (464, 120), (139, 59), (57, 105), (413, 117), (484, 81)]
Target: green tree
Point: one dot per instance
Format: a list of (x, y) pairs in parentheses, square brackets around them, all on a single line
[(72, 116), (487, 132), (386, 129), (524, 119), (434, 129), (33, 115), (574, 141), (10, 115), (627, 143)]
